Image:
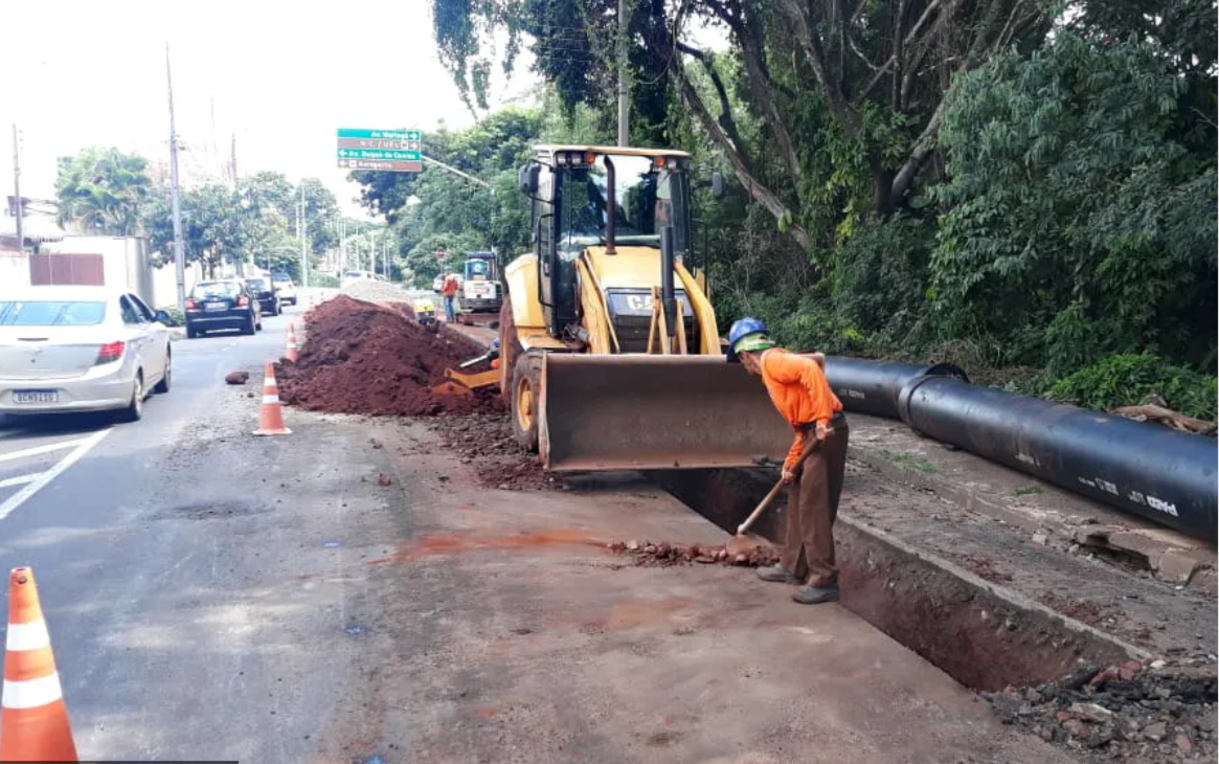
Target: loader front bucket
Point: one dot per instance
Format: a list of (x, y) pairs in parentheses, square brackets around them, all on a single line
[(604, 412)]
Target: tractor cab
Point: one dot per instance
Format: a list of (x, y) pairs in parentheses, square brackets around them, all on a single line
[(609, 206)]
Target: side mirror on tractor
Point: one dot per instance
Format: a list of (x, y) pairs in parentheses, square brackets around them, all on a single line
[(719, 187), (527, 179)]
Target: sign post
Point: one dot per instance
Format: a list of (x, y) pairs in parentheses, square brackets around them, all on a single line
[(382, 150)]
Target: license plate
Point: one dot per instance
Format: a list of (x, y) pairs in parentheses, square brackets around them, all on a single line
[(35, 396), (214, 306)]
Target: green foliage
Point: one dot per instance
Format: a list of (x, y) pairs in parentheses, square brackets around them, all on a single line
[(1070, 207), (176, 317), (1127, 379), (101, 191), (319, 279), (436, 210)]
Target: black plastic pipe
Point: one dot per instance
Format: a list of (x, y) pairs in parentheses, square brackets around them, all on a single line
[(1165, 476), (872, 387)]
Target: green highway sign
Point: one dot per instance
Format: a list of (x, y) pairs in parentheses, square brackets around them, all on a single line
[(393, 135), (380, 165), (380, 150), (378, 154)]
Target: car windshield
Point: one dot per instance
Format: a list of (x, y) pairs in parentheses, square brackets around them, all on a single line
[(355, 275), (259, 284), (281, 278), (216, 289), (51, 313), (646, 198), (476, 269)]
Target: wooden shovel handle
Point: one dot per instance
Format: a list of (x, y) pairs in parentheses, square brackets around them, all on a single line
[(770, 497)]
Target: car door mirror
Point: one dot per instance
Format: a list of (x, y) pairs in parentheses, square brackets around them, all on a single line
[(165, 318)]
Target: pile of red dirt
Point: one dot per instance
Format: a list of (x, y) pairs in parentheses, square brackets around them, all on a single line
[(485, 441), (374, 358)]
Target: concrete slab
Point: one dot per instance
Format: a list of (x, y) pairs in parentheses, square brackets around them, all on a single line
[(516, 636)]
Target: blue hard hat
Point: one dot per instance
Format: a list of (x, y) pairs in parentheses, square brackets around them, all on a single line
[(741, 328)]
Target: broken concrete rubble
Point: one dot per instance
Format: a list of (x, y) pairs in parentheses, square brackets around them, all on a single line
[(1131, 712), (663, 554)]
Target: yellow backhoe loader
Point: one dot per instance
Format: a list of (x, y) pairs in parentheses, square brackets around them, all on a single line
[(611, 357)]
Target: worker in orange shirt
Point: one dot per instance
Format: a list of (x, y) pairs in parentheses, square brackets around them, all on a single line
[(449, 290), (814, 466)]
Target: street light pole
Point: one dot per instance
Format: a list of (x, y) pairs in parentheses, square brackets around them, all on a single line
[(179, 247), (17, 190), (624, 94), (302, 233)]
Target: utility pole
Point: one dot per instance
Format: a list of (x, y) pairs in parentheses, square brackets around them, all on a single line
[(385, 255), (17, 190), (179, 247), (233, 165), (342, 243), (301, 232), (372, 252), (624, 95)]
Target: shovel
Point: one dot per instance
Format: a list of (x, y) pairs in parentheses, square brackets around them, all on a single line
[(744, 542)]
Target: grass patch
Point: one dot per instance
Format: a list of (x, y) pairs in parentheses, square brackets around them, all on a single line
[(1027, 490), (909, 461)]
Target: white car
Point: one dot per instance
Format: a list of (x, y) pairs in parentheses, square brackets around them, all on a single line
[(76, 348), (283, 286)]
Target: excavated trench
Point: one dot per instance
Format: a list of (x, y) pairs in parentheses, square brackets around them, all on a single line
[(985, 637)]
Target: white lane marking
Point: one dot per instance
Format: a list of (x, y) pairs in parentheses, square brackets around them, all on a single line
[(19, 480), (42, 449), (36, 485)]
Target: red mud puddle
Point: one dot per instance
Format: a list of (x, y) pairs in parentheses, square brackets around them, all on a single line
[(438, 544)]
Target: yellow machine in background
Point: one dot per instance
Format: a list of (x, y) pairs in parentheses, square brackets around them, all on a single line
[(611, 355)]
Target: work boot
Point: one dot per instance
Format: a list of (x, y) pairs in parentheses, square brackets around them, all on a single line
[(777, 574), (815, 595)]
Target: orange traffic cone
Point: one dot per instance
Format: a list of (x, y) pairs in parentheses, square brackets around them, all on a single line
[(271, 417), (33, 717), (292, 355)]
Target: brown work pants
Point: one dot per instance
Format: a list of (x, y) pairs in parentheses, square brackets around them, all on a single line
[(812, 507)]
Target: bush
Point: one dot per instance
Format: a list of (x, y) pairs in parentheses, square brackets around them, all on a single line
[(1126, 380), (176, 316), (319, 279)]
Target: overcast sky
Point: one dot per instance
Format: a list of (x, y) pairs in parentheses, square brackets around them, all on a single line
[(282, 76)]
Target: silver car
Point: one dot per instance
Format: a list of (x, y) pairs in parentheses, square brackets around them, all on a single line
[(77, 348)]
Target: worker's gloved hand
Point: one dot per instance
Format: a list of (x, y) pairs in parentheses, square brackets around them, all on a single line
[(788, 476), (823, 431)]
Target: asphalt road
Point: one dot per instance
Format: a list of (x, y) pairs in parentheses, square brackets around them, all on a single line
[(193, 576)]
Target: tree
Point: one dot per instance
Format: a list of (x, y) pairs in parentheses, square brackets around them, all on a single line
[(437, 208), (880, 76), (1078, 222), (101, 190), (214, 230)]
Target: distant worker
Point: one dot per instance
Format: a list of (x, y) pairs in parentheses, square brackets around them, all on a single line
[(449, 290), (814, 466)]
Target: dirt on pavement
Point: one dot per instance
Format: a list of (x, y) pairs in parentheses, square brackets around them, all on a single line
[(374, 358), (484, 440)]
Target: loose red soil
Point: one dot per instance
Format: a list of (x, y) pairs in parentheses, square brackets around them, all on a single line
[(374, 358)]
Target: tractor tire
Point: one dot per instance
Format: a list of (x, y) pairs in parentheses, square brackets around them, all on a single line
[(509, 350), (526, 381)]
